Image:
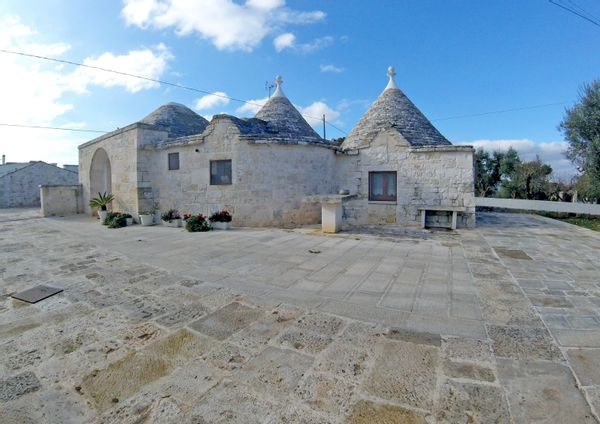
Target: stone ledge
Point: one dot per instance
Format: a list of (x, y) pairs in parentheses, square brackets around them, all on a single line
[(435, 149), (328, 198), (442, 208)]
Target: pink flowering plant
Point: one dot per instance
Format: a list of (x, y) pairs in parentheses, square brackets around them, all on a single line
[(170, 215), (221, 216)]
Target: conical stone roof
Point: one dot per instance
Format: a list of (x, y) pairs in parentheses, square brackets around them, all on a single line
[(178, 120), (393, 110), (285, 121)]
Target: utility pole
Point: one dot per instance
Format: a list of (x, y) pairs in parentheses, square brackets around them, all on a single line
[(324, 137)]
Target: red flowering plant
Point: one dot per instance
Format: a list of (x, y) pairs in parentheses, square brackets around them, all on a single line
[(221, 216), (195, 223)]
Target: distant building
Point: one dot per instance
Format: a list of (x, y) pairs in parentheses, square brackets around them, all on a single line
[(20, 182), (394, 163)]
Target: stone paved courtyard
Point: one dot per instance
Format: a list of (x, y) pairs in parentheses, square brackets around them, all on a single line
[(157, 325)]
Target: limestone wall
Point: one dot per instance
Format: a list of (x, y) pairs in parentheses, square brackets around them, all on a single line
[(61, 200), (122, 149), (22, 187), (435, 176), (269, 181)]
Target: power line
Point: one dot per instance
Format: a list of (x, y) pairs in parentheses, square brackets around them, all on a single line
[(562, 6), (41, 127), (158, 81), (434, 120), (197, 90), (499, 111)]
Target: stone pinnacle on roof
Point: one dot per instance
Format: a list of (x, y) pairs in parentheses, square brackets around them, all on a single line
[(284, 119), (391, 83), (394, 111), (278, 91)]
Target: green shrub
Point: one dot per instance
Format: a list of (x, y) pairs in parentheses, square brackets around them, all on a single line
[(195, 223), (115, 220)]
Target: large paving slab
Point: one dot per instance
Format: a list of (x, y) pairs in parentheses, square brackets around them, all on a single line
[(383, 324)]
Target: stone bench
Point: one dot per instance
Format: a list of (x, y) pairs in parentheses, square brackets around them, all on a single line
[(452, 209), (331, 210)]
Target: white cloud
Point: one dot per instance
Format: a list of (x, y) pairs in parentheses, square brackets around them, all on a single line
[(218, 98), (33, 92), (149, 63), (251, 107), (265, 4), (331, 68), (549, 152), (315, 111), (74, 125), (139, 12), (288, 41), (12, 30), (284, 41), (316, 44), (228, 25)]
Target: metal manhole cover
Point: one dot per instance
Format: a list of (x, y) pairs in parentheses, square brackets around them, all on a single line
[(37, 293)]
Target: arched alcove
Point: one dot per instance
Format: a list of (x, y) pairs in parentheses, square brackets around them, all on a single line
[(100, 173)]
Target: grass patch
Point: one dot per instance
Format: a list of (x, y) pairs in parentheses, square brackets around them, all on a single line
[(590, 223), (586, 221)]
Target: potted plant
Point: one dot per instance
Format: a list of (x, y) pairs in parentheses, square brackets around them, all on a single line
[(146, 217), (109, 217), (115, 220), (128, 219), (171, 218), (195, 223), (221, 220), (101, 202)]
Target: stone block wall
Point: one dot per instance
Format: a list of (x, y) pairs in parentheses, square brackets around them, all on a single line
[(122, 149), (61, 200), (433, 176), (269, 180), (21, 188)]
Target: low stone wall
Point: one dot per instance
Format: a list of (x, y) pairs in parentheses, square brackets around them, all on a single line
[(61, 200), (538, 205)]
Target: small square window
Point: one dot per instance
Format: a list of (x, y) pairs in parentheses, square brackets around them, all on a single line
[(220, 172), (382, 186), (173, 161)]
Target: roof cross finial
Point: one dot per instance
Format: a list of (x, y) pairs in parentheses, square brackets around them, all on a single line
[(278, 90), (391, 83)]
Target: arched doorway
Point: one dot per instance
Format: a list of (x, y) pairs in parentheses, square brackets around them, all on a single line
[(100, 174)]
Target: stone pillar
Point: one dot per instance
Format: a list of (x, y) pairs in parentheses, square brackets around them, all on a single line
[(454, 219), (331, 217)]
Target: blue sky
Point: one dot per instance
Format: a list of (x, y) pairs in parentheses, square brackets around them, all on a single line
[(452, 58)]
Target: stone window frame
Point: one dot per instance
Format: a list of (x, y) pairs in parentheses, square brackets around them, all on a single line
[(213, 177), (383, 198), (173, 161)]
